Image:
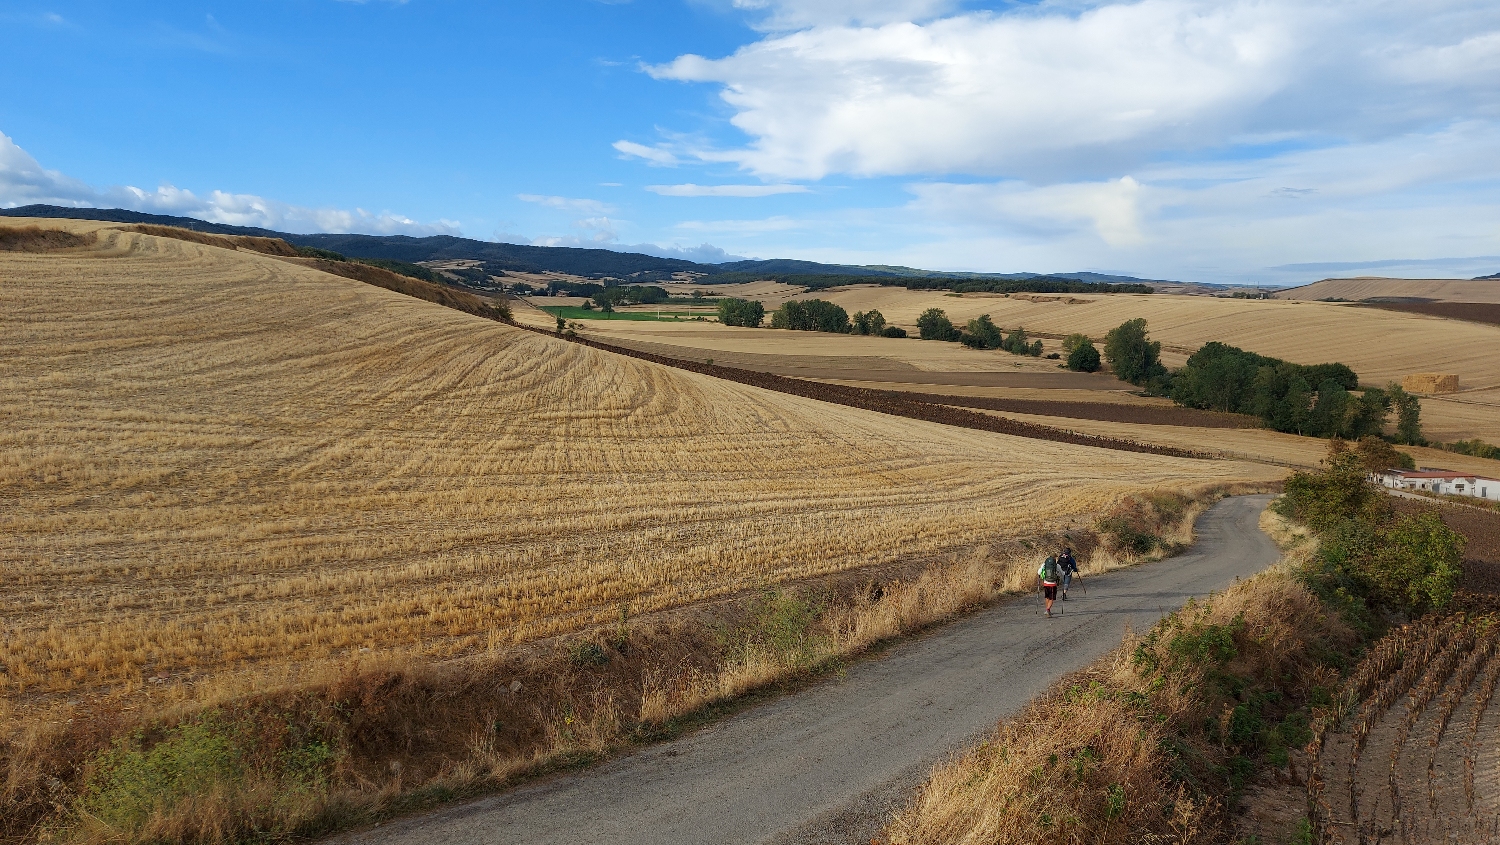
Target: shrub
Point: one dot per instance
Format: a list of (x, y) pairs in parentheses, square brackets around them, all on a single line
[(934, 324), (741, 312), (1083, 357), (314, 252), (1476, 447), (1418, 562), (1337, 493), (893, 331)]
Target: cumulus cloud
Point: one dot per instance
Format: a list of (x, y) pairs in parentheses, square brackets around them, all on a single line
[(1414, 198), (691, 190), (1038, 91), (23, 181)]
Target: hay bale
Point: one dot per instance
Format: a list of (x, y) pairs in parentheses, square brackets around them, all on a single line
[(1430, 383)]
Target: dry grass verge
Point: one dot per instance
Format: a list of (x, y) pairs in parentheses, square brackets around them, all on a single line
[(371, 739), (1152, 742), (265, 246), (37, 239)]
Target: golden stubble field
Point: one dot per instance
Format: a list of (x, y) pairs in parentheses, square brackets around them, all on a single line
[(215, 461), (1382, 346)]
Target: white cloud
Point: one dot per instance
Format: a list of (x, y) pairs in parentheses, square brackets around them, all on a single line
[(691, 190), (581, 206), (704, 253), (1038, 92), (23, 181), (654, 155), (1110, 208)]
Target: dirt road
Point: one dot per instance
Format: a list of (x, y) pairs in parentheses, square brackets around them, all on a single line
[(830, 764)]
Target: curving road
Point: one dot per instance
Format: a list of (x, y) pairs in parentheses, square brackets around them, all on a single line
[(830, 764)]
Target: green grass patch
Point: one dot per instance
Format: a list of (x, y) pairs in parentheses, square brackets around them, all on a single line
[(573, 312)]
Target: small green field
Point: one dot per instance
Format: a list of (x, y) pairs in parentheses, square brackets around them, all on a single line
[(573, 312)]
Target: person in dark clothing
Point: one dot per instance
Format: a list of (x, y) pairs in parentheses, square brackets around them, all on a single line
[(1069, 566)]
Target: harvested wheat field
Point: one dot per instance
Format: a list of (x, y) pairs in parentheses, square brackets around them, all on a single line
[(215, 460), (1382, 346), (1378, 287), (1251, 444)]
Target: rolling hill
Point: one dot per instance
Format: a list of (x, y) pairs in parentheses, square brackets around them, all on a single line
[(219, 460), (588, 263), (1486, 290)]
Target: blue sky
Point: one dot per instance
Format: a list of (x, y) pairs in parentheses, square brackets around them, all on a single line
[(1239, 140)]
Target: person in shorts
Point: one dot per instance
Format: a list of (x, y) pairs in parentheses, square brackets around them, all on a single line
[(1049, 575)]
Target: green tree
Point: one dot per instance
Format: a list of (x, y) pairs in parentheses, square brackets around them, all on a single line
[(1377, 455), (741, 312), (1084, 358), (1408, 415), (983, 328), (870, 322), (1035, 350), (1330, 412), (1073, 341), (1132, 354), (1016, 342), (933, 324)]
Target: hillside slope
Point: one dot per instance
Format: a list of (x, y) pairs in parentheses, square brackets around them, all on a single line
[(213, 459), (1372, 287)]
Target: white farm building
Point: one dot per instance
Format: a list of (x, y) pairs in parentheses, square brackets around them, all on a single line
[(1442, 482)]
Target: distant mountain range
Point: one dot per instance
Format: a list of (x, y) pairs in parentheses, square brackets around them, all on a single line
[(588, 263)]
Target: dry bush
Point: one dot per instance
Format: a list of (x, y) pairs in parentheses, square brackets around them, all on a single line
[(1147, 743), (37, 239)]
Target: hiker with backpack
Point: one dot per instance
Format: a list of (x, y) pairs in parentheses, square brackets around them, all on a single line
[(1049, 575), (1069, 567)]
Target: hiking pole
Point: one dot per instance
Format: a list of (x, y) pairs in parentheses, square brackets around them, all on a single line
[(1079, 576)]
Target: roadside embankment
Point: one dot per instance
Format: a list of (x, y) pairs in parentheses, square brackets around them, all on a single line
[(375, 740)]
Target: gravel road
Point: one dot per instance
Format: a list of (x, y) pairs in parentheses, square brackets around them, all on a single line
[(830, 764)]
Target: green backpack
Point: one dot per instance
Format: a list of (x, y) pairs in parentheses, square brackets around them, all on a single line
[(1049, 570)]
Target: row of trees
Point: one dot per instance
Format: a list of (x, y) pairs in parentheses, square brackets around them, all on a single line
[(980, 333), (1318, 400), (818, 315)]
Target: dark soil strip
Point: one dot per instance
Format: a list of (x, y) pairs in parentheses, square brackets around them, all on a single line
[(889, 402), (1473, 312), (1103, 411)]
